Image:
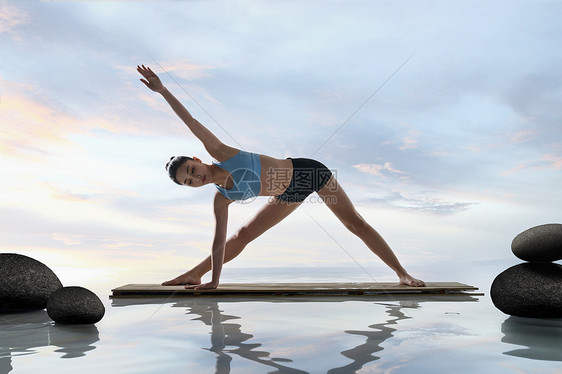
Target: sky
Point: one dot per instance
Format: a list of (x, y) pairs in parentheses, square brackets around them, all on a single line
[(441, 120)]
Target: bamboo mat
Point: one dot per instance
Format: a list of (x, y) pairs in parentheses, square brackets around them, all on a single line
[(293, 289)]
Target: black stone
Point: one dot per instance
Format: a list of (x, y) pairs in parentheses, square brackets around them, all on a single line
[(75, 305), (529, 290), (25, 283), (539, 244)]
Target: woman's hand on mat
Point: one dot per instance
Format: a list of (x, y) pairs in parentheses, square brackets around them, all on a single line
[(203, 286), (151, 79)]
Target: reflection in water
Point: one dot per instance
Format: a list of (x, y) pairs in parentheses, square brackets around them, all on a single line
[(225, 335), (542, 338), (73, 340), (230, 335), (20, 333), (363, 353)]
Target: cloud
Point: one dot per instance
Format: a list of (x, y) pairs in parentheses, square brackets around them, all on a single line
[(548, 161), (36, 123), (181, 68), (11, 17), (121, 245), (410, 141), (188, 71), (67, 239), (523, 136), (28, 123), (536, 99), (24, 228), (380, 170), (421, 203), (59, 194)]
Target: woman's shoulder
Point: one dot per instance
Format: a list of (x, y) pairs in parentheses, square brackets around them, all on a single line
[(225, 153)]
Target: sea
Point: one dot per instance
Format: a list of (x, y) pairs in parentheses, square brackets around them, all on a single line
[(361, 334)]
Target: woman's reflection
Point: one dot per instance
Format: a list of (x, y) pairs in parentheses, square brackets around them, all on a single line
[(225, 335), (363, 353), (227, 338)]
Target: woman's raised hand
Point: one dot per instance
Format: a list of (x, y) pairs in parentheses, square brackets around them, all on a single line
[(151, 79)]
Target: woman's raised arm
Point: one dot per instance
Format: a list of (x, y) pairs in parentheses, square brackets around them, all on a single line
[(212, 144)]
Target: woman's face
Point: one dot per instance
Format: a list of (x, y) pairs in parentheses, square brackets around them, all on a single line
[(192, 173)]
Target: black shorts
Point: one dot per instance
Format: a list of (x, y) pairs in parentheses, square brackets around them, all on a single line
[(308, 176)]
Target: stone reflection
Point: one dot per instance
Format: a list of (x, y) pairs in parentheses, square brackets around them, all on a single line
[(225, 335), (540, 339), (379, 332), (21, 333)]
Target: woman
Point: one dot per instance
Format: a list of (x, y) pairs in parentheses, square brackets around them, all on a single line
[(239, 175)]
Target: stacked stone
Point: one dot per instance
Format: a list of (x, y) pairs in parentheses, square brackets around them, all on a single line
[(27, 284), (532, 289)]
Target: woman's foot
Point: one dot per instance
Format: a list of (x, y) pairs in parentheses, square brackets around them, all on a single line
[(184, 279), (408, 280)]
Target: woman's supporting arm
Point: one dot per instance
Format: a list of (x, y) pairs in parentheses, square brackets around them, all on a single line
[(221, 204)]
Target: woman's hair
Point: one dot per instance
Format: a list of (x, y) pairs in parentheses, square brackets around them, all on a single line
[(173, 165)]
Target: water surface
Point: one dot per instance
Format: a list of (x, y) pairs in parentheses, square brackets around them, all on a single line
[(375, 334)]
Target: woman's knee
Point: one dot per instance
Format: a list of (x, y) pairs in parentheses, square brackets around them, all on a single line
[(243, 236), (356, 224)]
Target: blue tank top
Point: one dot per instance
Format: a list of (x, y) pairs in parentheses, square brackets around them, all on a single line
[(245, 169)]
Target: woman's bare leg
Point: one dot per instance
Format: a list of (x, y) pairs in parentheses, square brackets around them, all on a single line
[(339, 203), (271, 214)]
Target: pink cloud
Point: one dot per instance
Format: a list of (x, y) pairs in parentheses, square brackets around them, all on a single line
[(11, 17), (522, 136), (29, 124), (380, 170), (33, 124), (410, 141), (548, 161)]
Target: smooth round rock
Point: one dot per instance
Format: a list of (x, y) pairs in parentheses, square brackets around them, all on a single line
[(539, 244), (529, 290), (75, 305), (25, 283)]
